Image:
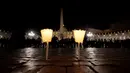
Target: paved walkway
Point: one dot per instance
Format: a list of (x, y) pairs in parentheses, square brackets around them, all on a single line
[(55, 64), (92, 60)]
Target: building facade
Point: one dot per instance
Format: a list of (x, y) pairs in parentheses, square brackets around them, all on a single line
[(111, 35)]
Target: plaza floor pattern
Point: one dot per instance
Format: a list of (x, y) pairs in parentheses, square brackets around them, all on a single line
[(92, 60)]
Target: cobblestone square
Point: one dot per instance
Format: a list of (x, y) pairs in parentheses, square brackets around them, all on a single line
[(92, 60)]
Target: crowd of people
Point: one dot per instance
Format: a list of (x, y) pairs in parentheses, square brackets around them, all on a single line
[(68, 43), (108, 44), (55, 43)]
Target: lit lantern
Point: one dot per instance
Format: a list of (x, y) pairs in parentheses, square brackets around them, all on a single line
[(79, 37), (46, 36)]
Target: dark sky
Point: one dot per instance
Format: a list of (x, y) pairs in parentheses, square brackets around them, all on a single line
[(76, 14)]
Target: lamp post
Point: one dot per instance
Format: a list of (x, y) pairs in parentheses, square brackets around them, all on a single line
[(79, 37), (46, 36)]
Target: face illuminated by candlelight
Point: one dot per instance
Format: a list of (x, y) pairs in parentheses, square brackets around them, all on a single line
[(46, 35), (79, 35)]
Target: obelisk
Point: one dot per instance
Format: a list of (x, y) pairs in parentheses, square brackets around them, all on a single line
[(61, 24)]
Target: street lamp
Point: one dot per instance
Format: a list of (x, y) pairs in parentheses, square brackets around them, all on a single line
[(46, 36), (79, 37)]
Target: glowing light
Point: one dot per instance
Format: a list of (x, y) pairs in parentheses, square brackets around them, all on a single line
[(31, 33), (46, 35), (89, 34), (79, 35)]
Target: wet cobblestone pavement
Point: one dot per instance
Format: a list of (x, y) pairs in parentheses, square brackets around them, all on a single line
[(63, 60)]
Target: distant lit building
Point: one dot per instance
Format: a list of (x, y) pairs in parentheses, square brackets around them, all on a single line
[(111, 35), (62, 32)]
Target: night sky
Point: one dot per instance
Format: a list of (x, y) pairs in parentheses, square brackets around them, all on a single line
[(76, 14)]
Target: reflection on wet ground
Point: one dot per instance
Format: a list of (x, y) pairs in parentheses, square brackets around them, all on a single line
[(63, 60)]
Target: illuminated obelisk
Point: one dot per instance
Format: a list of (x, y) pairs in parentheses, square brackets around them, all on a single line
[(61, 24)]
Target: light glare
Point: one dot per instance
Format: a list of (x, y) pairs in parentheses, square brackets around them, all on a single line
[(89, 34), (31, 33)]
